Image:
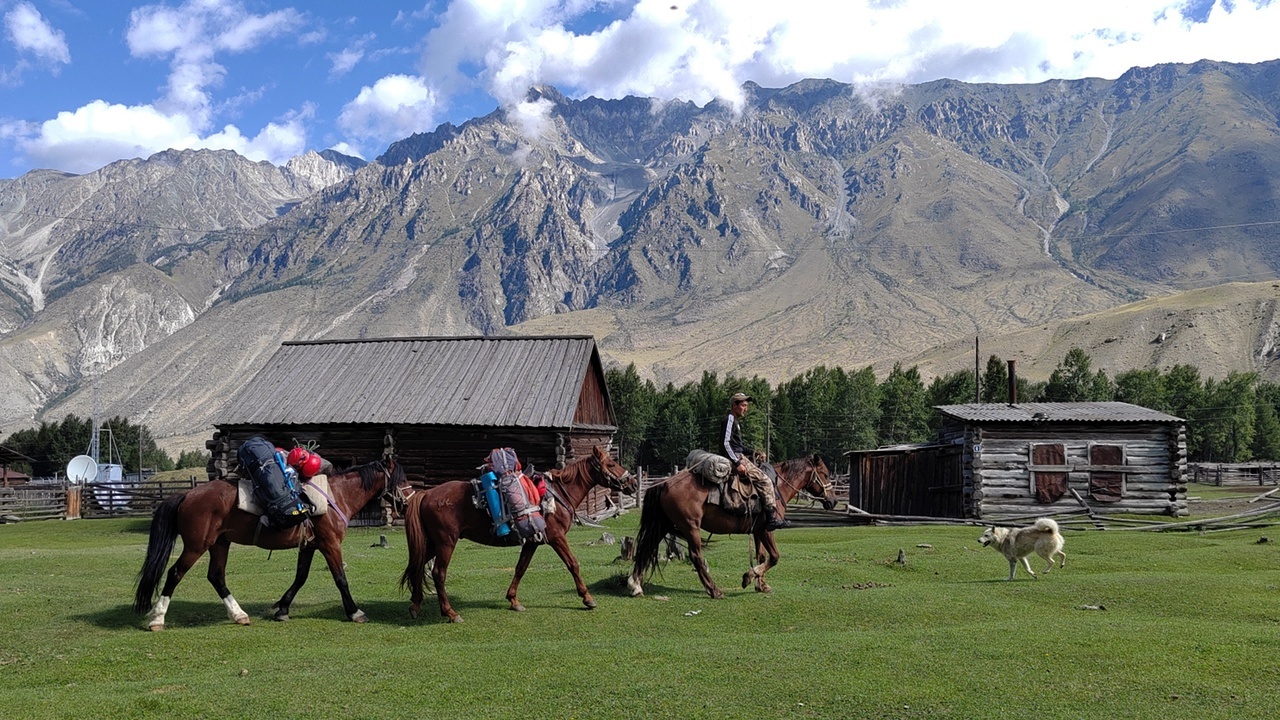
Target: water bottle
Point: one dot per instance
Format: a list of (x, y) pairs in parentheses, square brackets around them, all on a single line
[(489, 485)]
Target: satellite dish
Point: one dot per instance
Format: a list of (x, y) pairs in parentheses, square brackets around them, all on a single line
[(82, 469)]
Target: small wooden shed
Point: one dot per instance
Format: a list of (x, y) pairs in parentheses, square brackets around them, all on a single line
[(439, 403), (994, 460)]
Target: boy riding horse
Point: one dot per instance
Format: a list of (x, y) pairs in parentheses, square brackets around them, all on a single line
[(737, 454)]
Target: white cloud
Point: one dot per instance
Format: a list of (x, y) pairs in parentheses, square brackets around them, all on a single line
[(344, 60), (347, 149), (99, 133), (395, 107), (191, 36), (29, 32), (704, 49)]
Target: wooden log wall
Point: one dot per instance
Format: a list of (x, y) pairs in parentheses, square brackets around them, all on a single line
[(1001, 482), (430, 454)]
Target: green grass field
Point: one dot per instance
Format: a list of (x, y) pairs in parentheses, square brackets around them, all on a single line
[(1190, 629)]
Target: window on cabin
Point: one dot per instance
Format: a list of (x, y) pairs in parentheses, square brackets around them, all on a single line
[(1048, 484), (1106, 485)]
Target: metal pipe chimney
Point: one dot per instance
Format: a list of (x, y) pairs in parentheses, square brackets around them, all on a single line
[(1013, 384)]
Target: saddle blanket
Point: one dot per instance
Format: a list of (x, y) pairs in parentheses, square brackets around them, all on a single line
[(316, 488)]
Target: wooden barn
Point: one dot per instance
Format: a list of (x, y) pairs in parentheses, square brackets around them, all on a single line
[(439, 403), (994, 460)]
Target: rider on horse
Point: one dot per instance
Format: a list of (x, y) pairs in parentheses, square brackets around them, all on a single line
[(737, 454)]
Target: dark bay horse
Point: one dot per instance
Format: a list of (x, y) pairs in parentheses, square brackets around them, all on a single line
[(679, 506), (436, 518), (208, 520)]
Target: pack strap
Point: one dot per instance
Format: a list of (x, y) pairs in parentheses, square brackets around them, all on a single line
[(345, 520)]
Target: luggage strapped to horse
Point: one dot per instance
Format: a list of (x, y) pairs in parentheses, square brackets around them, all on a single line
[(274, 482), (510, 496)]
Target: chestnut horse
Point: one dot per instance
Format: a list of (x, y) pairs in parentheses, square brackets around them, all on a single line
[(436, 518), (208, 519), (679, 506)]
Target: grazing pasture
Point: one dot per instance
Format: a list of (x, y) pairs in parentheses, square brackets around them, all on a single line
[(1138, 625)]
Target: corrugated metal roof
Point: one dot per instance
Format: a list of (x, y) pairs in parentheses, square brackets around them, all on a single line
[(1056, 412), (486, 381)]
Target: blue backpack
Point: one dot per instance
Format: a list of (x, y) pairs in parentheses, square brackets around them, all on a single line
[(274, 483)]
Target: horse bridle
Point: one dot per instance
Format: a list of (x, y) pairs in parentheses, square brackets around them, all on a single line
[(396, 497), (616, 482), (826, 485)]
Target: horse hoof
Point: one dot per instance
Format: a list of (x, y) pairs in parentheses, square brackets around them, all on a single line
[(590, 603), (717, 594), (156, 628), (763, 588), (455, 618), (517, 607), (746, 580), (242, 620), (635, 588), (281, 617), (414, 612), (359, 617)]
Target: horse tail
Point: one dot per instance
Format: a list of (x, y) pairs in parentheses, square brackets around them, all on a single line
[(164, 533), (414, 575), (654, 526)]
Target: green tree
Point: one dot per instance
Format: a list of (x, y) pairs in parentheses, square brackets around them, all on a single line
[(634, 402), (860, 403), (995, 381), (1142, 387), (1073, 380), (953, 389), (676, 428), (1183, 397), (1227, 419), (1266, 436), (193, 459), (904, 412)]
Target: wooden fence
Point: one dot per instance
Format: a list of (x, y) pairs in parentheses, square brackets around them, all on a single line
[(33, 502), (1254, 474), (133, 499)]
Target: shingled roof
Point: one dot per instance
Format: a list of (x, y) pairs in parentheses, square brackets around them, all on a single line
[(466, 381), (1056, 412)]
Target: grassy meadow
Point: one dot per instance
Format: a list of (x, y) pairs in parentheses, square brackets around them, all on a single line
[(1138, 625)]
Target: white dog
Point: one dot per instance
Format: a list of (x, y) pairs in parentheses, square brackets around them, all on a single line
[(1016, 544)]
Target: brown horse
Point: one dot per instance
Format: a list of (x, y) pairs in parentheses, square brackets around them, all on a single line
[(436, 518), (679, 506), (208, 519)]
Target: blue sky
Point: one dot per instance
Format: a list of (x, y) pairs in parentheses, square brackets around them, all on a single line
[(87, 82)]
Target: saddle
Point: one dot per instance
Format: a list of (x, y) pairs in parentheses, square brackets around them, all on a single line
[(728, 490), (315, 489)]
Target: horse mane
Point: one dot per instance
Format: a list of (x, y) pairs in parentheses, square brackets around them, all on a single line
[(368, 473), (801, 463)]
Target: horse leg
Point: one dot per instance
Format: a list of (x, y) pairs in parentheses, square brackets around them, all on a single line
[(185, 561), (767, 556), (331, 549), (218, 579), (280, 611), (526, 556), (560, 543), (694, 538), (438, 573)]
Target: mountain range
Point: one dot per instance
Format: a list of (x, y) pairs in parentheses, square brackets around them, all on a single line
[(823, 223)]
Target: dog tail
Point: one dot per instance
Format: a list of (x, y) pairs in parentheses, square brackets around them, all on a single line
[(1046, 524)]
